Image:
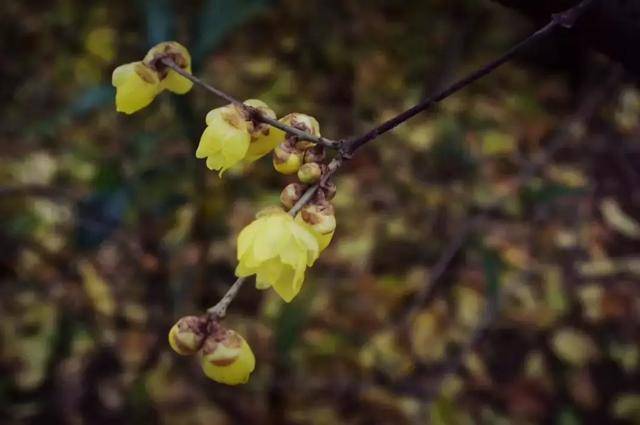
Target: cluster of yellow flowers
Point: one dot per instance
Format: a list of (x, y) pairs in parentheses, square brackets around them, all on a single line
[(277, 246)]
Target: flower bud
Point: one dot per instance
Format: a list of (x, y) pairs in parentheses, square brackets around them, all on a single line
[(186, 336), (286, 159), (227, 358), (302, 122), (291, 194), (310, 173), (320, 219), (314, 154)]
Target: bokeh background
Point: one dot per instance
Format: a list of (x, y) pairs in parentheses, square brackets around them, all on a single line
[(486, 265)]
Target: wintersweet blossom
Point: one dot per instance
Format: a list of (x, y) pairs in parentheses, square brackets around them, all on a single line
[(226, 139), (138, 83), (232, 136), (278, 251)]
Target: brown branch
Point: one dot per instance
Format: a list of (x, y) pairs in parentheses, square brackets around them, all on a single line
[(565, 19)]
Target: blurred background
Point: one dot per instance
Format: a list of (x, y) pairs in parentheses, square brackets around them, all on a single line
[(486, 264)]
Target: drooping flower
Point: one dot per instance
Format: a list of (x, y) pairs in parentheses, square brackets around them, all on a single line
[(138, 83), (278, 250), (232, 136), (170, 79), (227, 358), (136, 86), (226, 139)]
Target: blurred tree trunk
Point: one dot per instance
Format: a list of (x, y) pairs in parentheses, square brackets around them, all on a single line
[(611, 27)]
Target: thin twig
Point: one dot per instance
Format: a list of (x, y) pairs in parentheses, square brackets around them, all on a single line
[(254, 113), (566, 19), (219, 310)]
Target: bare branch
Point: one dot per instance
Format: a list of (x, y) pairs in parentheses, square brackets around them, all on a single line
[(566, 20)]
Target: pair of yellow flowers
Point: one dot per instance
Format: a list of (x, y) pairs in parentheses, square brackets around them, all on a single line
[(276, 247)]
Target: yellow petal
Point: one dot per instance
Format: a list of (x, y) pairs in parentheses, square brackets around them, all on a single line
[(264, 144), (270, 271), (209, 143), (306, 241), (246, 238), (136, 87), (243, 270), (176, 83), (270, 238), (262, 284), (284, 286)]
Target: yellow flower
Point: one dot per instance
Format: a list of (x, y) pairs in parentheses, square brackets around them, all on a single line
[(278, 251), (226, 139), (138, 83), (136, 86), (170, 79), (264, 138), (227, 359)]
